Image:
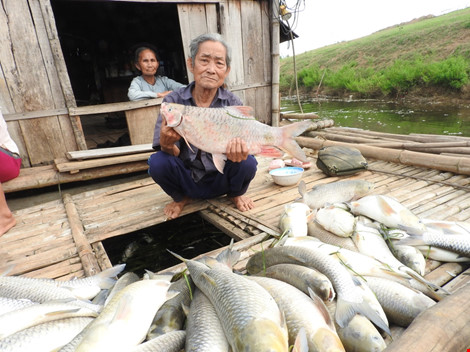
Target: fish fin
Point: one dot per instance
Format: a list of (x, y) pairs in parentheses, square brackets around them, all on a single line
[(209, 279), (270, 151), (322, 307), (288, 144), (241, 112), (412, 240), (107, 276), (301, 343), (433, 287), (346, 310), (229, 257), (219, 161)]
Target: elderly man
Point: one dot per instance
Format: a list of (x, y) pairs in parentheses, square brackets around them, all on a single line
[(189, 173)]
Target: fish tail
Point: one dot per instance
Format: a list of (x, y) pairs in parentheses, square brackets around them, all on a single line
[(346, 310), (289, 144), (107, 277), (438, 290)]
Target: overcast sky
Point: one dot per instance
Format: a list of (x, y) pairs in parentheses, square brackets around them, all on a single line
[(323, 22)]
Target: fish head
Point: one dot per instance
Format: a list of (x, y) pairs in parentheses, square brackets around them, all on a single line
[(172, 113), (262, 334)]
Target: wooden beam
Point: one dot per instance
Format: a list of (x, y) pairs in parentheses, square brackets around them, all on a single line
[(108, 152), (75, 166), (113, 107), (85, 252), (223, 225)]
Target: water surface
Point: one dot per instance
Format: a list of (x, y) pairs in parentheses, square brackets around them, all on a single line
[(388, 116)]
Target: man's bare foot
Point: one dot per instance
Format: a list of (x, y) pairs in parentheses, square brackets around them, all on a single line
[(243, 203), (6, 223), (173, 209)]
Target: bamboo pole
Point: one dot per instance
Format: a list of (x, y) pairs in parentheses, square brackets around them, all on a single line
[(85, 252), (433, 161), (275, 34), (441, 328), (297, 116)]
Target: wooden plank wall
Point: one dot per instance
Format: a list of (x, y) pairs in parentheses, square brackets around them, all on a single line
[(30, 81), (245, 26)]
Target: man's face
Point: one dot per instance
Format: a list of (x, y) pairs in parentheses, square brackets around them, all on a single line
[(210, 68)]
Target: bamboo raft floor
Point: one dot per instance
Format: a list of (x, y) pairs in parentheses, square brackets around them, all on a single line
[(63, 238)]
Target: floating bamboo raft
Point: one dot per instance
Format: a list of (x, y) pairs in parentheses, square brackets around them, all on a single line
[(63, 238)]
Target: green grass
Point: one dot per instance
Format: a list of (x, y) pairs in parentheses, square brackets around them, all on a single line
[(429, 52)]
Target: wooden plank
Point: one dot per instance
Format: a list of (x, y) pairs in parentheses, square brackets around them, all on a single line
[(223, 225), (108, 152), (141, 124), (85, 252), (113, 107), (65, 166)]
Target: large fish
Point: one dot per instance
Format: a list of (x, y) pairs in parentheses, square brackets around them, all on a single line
[(36, 314), (359, 335), (249, 315), (172, 341), (400, 303), (203, 328), (171, 316), (210, 129), (387, 211), (124, 321), (45, 337), (303, 278), (293, 221), (352, 296), (336, 220), (334, 192), (300, 311)]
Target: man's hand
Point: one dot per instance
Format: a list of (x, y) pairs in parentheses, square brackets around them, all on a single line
[(236, 150), (168, 138)]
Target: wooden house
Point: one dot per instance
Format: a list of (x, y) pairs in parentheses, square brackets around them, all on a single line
[(65, 64)]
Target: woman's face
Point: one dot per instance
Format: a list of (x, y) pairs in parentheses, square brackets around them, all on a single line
[(148, 63)]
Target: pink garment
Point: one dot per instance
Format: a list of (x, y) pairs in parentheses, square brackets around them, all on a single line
[(9, 165)]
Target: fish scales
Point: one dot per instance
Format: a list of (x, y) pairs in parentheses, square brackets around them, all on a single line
[(350, 292), (204, 329), (210, 129), (172, 341), (303, 311), (249, 315)]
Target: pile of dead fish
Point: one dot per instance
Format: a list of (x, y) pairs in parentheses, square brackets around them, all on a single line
[(348, 267)]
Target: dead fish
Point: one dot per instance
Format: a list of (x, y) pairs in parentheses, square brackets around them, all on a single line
[(294, 219), (125, 280), (351, 296), (11, 304), (204, 329), (387, 211), (334, 192), (172, 341), (210, 129), (336, 220), (303, 278), (170, 316), (459, 244), (45, 337), (401, 304), (359, 335), (123, 323), (316, 231), (36, 314), (303, 311), (249, 315)]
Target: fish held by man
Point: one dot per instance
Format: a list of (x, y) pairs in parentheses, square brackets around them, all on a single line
[(210, 129)]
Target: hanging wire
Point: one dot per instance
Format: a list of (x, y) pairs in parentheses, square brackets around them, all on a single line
[(294, 11)]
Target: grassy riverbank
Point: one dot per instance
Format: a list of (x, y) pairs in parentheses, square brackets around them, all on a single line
[(427, 57)]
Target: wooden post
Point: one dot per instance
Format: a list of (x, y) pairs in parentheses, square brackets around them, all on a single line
[(85, 252)]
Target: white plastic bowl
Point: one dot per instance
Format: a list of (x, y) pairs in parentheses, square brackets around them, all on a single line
[(286, 176)]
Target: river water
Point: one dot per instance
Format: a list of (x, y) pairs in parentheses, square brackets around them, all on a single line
[(388, 116)]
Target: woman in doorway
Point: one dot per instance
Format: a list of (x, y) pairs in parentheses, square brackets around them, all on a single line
[(149, 84)]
